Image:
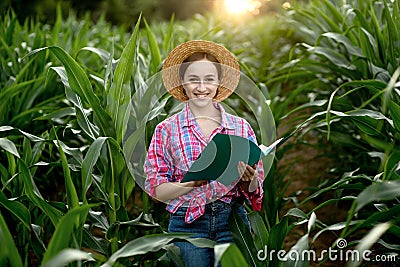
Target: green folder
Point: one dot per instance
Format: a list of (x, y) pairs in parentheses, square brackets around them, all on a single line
[(219, 159)]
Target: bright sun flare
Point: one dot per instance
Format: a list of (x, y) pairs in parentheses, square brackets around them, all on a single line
[(242, 6)]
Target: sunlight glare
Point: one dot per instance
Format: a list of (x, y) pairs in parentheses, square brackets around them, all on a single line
[(237, 7)]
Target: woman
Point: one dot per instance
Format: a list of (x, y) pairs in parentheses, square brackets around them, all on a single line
[(200, 73)]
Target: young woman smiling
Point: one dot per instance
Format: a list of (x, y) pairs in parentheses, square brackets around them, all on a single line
[(201, 74)]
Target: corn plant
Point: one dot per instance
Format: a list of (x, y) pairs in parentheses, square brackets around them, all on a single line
[(97, 182), (350, 62)]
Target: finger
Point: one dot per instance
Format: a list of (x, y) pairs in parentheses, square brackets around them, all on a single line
[(200, 182), (250, 169), (241, 168), (246, 176), (251, 172)]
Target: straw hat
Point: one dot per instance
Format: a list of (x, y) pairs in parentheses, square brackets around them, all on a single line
[(230, 74)]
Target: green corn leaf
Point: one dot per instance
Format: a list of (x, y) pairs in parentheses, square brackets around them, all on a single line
[(57, 24), (154, 50), (72, 196), (368, 44), (9, 255), (360, 20), (130, 144), (392, 167), (276, 237), (259, 229), (58, 114), (109, 69), (104, 55), (368, 126), (65, 228), (174, 254), (393, 35), (377, 142), (335, 227), (125, 183), (113, 229), (82, 117), (346, 179), (242, 236), (335, 14), (395, 114), (14, 90), (168, 36), (74, 152), (79, 82), (66, 256), (294, 257), (311, 222), (9, 51), (378, 35), (370, 239), (297, 213), (229, 255), (339, 38), (16, 208), (153, 243), (389, 89), (333, 56), (88, 163), (34, 195), (388, 245), (98, 244), (378, 192), (116, 179), (374, 218), (119, 95), (9, 146), (6, 128)]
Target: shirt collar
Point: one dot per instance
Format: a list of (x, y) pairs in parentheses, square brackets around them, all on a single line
[(188, 119)]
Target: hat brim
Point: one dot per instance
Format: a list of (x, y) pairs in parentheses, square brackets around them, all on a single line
[(230, 71)]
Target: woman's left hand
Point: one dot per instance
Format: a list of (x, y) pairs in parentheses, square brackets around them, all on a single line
[(247, 172), (248, 175)]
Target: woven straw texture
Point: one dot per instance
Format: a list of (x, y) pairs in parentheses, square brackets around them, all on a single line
[(230, 68)]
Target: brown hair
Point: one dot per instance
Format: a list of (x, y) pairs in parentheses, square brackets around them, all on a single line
[(197, 57)]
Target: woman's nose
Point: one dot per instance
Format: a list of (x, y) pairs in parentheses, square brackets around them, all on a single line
[(201, 86)]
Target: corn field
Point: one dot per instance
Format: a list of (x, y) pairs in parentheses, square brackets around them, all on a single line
[(73, 112)]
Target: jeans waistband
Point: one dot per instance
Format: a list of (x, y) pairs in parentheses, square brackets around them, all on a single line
[(234, 202)]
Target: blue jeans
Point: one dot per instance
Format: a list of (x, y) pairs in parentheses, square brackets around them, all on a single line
[(212, 225)]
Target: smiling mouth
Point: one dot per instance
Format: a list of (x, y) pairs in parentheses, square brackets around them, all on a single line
[(202, 95)]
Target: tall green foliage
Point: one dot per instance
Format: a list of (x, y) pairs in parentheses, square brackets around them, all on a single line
[(66, 124), (349, 66), (81, 139)]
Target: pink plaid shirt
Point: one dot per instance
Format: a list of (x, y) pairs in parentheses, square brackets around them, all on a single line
[(177, 142)]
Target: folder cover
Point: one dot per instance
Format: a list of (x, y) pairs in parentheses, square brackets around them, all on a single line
[(219, 159)]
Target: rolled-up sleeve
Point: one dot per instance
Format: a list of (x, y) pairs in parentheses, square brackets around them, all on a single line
[(157, 165)]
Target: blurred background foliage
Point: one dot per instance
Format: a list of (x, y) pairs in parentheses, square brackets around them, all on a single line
[(124, 12)]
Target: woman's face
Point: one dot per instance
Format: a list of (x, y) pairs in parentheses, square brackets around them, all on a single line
[(200, 81)]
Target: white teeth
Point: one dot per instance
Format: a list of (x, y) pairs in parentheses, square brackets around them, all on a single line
[(201, 96)]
